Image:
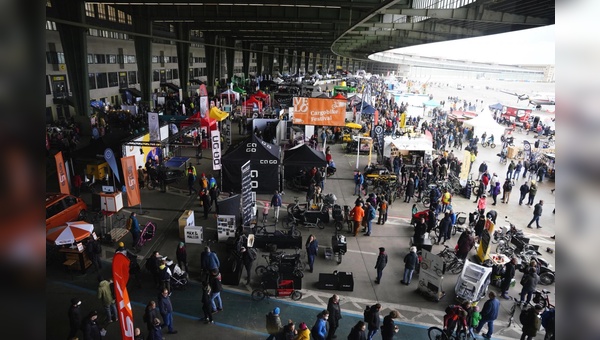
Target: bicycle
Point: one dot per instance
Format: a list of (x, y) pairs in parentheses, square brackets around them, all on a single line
[(306, 224), (285, 288), (436, 333), (513, 309), (274, 260), (262, 231)]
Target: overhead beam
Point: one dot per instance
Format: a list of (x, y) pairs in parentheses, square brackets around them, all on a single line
[(254, 3), (428, 26), (473, 14)]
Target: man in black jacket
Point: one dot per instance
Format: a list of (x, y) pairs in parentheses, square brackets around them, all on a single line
[(411, 260), (382, 259), (372, 320), (74, 317), (509, 274), (537, 212), (524, 190), (335, 314)]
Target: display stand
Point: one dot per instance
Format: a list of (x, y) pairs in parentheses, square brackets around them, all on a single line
[(194, 234), (225, 227), (186, 219), (431, 276), (112, 202)]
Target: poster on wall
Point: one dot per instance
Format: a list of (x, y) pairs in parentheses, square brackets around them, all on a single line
[(153, 127), (319, 111)]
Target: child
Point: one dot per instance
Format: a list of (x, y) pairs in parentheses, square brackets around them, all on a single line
[(474, 320), (265, 213)]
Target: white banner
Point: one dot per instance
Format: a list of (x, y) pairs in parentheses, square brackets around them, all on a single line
[(215, 140), (153, 126)]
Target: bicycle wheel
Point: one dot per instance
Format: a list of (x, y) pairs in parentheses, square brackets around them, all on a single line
[(258, 295), (273, 267), (436, 334), (298, 273), (425, 201), (546, 279), (338, 225), (501, 248), (456, 267), (296, 233), (475, 190), (320, 225), (493, 145), (296, 295), (453, 229), (260, 270)]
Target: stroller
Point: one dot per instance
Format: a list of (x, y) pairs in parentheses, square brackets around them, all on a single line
[(179, 277), (147, 234)]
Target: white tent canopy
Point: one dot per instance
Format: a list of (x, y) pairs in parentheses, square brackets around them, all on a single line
[(484, 122), (231, 93), (404, 143)]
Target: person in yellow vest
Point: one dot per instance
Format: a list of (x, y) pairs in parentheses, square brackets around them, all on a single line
[(203, 182), (446, 200), (473, 158)]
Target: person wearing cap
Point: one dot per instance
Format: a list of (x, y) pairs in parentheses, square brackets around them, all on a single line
[(382, 260), (273, 321), (533, 322), (181, 255), (74, 317), (303, 332), (411, 260), (91, 329)]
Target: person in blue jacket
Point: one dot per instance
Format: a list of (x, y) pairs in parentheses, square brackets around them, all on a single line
[(135, 230), (319, 330), (312, 249), (489, 313)]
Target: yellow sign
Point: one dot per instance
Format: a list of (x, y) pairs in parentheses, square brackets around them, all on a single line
[(483, 251), (58, 78), (62, 67)]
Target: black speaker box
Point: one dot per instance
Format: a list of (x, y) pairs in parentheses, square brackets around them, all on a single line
[(328, 281), (346, 281)]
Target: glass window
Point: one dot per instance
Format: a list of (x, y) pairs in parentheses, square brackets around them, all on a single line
[(174, 59), (155, 59), (93, 32), (191, 73), (175, 73), (100, 59), (101, 11), (91, 59), (131, 59), (51, 58), (48, 88), (196, 72), (50, 25), (70, 201), (112, 13), (48, 3), (167, 59), (61, 57), (155, 75), (101, 80), (129, 21), (132, 77), (89, 10), (121, 17), (54, 209), (92, 81), (169, 74), (113, 79), (112, 58)]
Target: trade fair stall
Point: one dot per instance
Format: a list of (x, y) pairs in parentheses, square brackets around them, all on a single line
[(485, 123), (410, 149), (264, 159)]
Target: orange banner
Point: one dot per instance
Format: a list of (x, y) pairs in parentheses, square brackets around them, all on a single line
[(131, 180), (120, 269), (62, 174), (319, 111)]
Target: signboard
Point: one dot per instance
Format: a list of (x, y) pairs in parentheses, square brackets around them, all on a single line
[(120, 271), (484, 243), (193, 234), (431, 275), (131, 180), (319, 111), (153, 127), (246, 194), (62, 174), (216, 149), (226, 124)]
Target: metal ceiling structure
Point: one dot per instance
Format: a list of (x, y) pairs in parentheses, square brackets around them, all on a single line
[(349, 28)]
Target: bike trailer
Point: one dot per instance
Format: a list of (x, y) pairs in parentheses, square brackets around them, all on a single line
[(473, 282)]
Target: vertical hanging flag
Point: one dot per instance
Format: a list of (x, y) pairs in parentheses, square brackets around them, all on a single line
[(62, 173), (153, 127), (215, 139), (120, 269), (109, 156), (131, 180)]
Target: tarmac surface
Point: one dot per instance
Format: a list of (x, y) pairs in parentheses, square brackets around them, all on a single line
[(243, 318)]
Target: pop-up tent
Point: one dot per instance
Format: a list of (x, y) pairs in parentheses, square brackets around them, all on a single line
[(217, 114), (240, 91), (301, 157), (496, 106), (339, 96), (484, 122), (209, 123), (404, 143), (253, 102), (366, 108), (232, 95), (264, 162)]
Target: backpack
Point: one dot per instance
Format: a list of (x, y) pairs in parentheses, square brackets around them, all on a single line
[(129, 224), (525, 316)]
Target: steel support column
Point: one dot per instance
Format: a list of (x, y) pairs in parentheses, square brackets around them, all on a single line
[(246, 58), (230, 56), (183, 57), (209, 53)]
